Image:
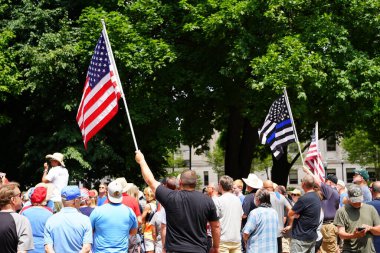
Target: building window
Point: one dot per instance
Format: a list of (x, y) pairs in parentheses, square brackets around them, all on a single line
[(330, 171), (293, 177), (350, 174), (331, 143), (205, 178)]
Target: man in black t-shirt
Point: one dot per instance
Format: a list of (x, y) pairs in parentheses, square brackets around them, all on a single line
[(305, 213), (187, 212)]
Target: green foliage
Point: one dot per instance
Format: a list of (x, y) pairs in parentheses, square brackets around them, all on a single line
[(361, 149), (216, 158)]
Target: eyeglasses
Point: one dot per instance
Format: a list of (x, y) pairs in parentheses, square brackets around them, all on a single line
[(294, 194), (101, 187), (18, 195)]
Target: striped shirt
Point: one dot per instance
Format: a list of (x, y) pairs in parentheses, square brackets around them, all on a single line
[(262, 226)]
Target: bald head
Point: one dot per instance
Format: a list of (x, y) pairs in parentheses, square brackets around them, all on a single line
[(376, 188), (268, 185), (189, 179)]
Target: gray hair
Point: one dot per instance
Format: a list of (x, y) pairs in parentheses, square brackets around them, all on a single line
[(226, 182), (263, 196)]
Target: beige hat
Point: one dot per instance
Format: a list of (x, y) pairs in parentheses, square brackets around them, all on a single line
[(253, 181), (124, 184), (296, 192), (56, 157)]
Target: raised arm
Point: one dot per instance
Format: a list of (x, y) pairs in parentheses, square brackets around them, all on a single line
[(146, 172)]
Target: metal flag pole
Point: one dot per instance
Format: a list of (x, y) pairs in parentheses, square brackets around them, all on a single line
[(113, 63), (293, 124)]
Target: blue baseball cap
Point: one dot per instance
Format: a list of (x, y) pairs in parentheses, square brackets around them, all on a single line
[(70, 192)]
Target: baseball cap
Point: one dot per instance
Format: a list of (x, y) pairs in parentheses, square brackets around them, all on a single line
[(70, 192), (38, 195), (341, 183), (355, 193), (115, 190), (363, 173), (332, 178)]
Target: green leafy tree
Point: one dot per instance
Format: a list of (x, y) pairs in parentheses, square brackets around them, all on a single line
[(362, 150)]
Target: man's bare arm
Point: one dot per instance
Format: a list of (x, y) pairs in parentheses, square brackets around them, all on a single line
[(344, 235), (49, 248), (146, 172), (86, 248), (133, 231), (215, 231)]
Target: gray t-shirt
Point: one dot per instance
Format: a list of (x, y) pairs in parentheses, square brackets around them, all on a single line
[(279, 203), (350, 218)]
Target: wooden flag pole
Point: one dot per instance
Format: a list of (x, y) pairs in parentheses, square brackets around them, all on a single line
[(109, 49), (293, 124)]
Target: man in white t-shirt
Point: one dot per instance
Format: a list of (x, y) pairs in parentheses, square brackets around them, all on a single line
[(58, 176), (230, 212)]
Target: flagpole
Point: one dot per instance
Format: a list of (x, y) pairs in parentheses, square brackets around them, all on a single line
[(293, 124), (112, 59)]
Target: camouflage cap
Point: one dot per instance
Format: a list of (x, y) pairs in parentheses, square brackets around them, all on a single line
[(355, 193)]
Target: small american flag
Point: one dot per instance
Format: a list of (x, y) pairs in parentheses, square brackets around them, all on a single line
[(277, 131), (313, 157), (101, 93)]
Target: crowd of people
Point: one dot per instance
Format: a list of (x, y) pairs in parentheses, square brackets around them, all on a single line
[(170, 215)]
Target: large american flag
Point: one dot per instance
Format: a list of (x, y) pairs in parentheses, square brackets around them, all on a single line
[(101, 93), (277, 131), (313, 157)]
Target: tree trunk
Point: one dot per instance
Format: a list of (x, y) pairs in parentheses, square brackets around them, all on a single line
[(249, 141), (280, 169), (235, 124)]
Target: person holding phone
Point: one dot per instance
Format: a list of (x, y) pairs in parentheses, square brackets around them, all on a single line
[(356, 222)]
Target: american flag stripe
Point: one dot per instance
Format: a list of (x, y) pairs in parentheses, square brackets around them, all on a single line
[(100, 94), (314, 159)]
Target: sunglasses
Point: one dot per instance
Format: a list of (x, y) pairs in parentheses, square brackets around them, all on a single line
[(294, 194)]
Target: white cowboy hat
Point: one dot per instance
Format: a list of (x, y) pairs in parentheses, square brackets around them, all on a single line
[(57, 157), (253, 181)]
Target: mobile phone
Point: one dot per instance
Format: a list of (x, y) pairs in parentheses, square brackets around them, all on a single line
[(360, 229), (2, 174)]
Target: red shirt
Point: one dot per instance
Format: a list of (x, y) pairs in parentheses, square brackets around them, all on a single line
[(130, 202)]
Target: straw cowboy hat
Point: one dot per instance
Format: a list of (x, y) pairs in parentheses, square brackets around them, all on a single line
[(56, 157), (253, 181)]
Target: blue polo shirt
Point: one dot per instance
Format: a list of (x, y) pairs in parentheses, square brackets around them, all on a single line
[(112, 223), (37, 217), (376, 239), (68, 230)]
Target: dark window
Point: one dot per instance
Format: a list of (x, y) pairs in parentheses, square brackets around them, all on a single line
[(330, 171), (205, 178), (331, 143), (350, 174), (293, 177)]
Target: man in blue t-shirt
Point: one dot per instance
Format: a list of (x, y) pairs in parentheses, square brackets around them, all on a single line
[(304, 216), (330, 205), (68, 230), (376, 203), (361, 178), (113, 222)]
